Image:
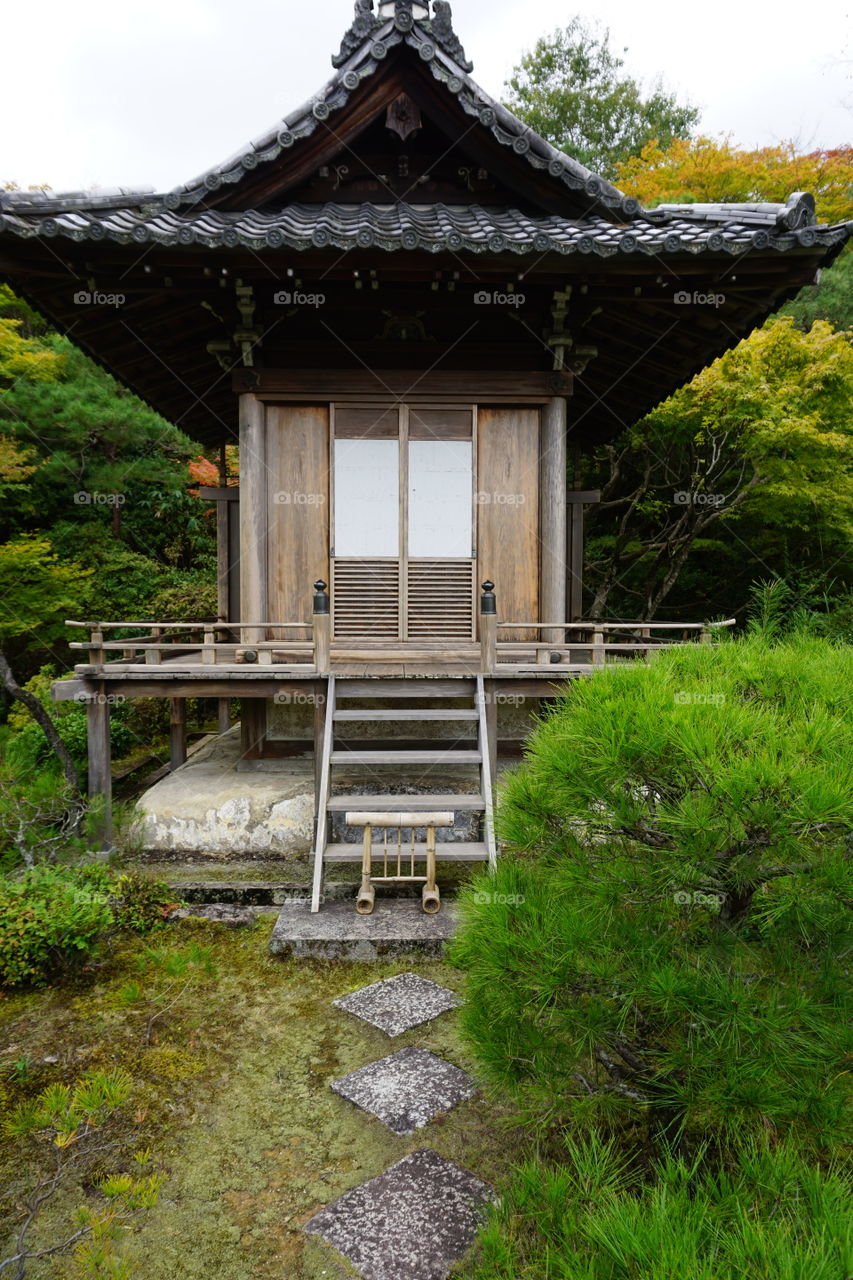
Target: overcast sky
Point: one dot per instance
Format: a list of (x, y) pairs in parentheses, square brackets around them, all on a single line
[(99, 92)]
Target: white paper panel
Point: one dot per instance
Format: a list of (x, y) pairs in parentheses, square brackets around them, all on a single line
[(440, 496), (367, 498)]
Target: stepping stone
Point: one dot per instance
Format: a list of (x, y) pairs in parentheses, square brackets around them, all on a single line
[(397, 1004), (407, 1089), (411, 1223)]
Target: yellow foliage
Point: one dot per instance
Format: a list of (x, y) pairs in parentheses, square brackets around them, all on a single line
[(715, 170)]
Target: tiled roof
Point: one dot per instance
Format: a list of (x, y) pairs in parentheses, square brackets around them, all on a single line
[(431, 228)]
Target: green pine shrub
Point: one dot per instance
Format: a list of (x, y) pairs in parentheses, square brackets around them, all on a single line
[(665, 954), (769, 1216)]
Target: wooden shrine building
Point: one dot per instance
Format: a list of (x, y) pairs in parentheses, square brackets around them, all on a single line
[(413, 314)]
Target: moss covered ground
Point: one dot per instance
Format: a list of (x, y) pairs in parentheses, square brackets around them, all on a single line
[(230, 1096)]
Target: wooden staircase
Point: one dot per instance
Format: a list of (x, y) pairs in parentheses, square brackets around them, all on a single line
[(444, 754)]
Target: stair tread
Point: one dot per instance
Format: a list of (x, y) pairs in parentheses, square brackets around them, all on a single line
[(407, 757), (400, 804), (407, 713), (445, 851), (405, 687)]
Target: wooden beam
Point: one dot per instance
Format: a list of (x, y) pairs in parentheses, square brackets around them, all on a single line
[(524, 385)]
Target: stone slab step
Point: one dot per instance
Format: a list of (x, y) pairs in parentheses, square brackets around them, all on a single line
[(407, 1089), (400, 804), (397, 927), (445, 851), (412, 1222)]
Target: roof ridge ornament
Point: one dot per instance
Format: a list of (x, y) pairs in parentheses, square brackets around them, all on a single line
[(406, 15)]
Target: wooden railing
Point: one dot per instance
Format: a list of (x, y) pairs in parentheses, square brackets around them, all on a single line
[(196, 646)]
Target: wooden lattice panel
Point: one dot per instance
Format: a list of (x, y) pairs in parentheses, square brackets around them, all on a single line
[(440, 603), (366, 599)]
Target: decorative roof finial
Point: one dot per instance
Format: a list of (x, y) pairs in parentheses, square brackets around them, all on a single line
[(405, 14), (441, 28)]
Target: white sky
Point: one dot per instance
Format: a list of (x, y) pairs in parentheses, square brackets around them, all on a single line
[(99, 92)]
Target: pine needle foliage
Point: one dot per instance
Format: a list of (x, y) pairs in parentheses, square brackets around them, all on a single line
[(664, 950), (770, 1216)]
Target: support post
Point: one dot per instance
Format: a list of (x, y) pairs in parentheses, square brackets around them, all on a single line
[(253, 727), (254, 518), (578, 500), (552, 518), (322, 628), (100, 763), (223, 714), (177, 732), (488, 628)]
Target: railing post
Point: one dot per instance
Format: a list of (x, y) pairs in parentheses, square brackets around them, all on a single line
[(96, 647), (153, 657), (705, 636), (488, 628), (208, 653), (322, 626), (598, 655)]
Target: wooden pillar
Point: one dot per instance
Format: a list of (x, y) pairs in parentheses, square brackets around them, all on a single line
[(100, 762), (253, 727), (223, 714), (552, 517), (254, 517), (177, 732), (578, 500)]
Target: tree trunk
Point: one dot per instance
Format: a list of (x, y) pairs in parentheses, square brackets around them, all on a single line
[(37, 711)]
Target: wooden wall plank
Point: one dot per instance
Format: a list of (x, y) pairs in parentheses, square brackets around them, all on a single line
[(298, 498), (508, 511)]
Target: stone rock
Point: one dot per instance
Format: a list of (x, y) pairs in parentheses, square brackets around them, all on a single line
[(397, 1004), (411, 1223), (407, 1089)]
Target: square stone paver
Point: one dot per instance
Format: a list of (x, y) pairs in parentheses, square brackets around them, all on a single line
[(412, 1222), (407, 1089), (397, 1004)]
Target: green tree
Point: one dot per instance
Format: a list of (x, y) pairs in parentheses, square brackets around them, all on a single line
[(572, 90), (758, 446), (36, 591)]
